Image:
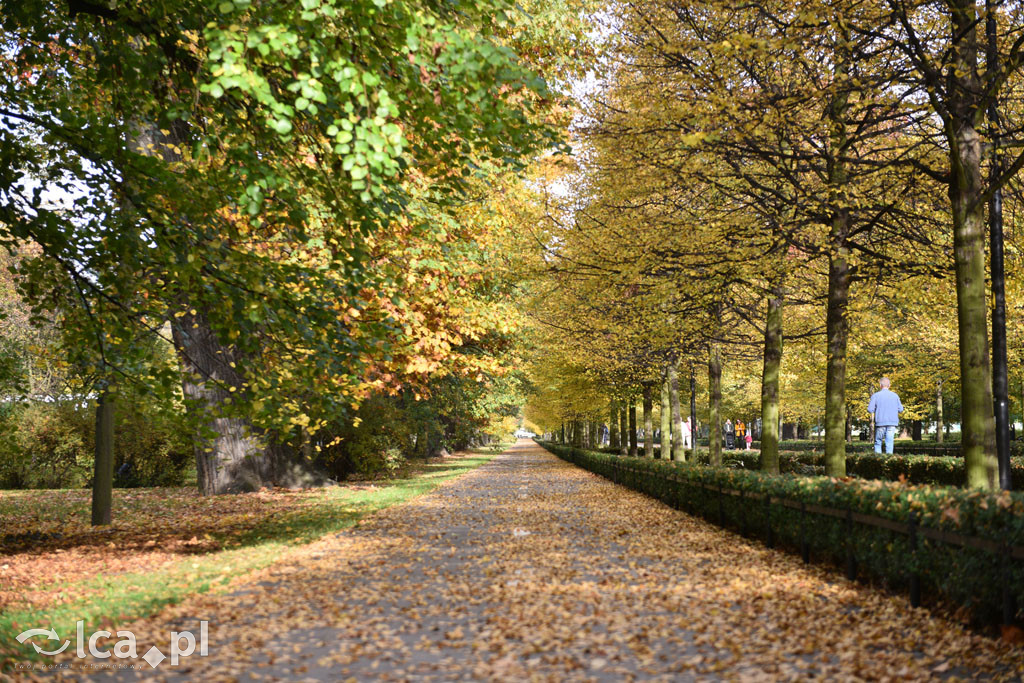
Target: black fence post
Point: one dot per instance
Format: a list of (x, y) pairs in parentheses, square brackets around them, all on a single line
[(851, 559), (703, 498), (1009, 608), (805, 550), (915, 577), (743, 514), (721, 507)]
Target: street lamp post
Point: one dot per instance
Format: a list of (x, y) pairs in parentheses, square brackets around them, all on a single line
[(1000, 381), (693, 413)]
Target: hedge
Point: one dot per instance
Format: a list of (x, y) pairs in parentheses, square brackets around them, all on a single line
[(917, 469), (899, 448), (838, 521)]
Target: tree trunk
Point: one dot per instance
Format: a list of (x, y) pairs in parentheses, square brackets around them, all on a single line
[(839, 271), (978, 440), (678, 452), (648, 422), (226, 453), (593, 434), (837, 322), (292, 467), (714, 405), (666, 420), (613, 425), (229, 456), (915, 430), (837, 331), (103, 476), (632, 428), (770, 384), (232, 455), (938, 411)]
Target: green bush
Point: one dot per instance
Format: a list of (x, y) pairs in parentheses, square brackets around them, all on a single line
[(51, 445), (903, 447), (48, 446), (152, 446), (917, 469), (375, 443), (977, 579)]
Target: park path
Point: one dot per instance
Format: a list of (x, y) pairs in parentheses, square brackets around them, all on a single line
[(531, 569)]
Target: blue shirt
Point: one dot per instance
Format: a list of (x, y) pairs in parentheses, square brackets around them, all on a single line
[(886, 407)]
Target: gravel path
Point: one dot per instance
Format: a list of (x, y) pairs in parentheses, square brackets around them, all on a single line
[(530, 569)]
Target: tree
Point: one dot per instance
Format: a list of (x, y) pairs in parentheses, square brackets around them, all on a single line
[(228, 163), (938, 46)]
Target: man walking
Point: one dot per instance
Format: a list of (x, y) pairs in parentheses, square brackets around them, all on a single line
[(886, 407)]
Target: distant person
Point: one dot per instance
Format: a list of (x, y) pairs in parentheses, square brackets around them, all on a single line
[(730, 434), (685, 432), (749, 440), (741, 431), (886, 407)]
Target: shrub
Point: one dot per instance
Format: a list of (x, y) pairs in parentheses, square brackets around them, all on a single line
[(152, 445), (48, 446), (51, 445), (983, 581), (917, 469), (899, 448), (374, 444)]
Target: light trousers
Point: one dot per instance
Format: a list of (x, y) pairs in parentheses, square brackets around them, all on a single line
[(884, 434)]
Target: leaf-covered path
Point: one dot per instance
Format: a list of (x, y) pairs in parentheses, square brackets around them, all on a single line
[(528, 568)]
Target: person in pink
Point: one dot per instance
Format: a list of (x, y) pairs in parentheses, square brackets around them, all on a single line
[(749, 440)]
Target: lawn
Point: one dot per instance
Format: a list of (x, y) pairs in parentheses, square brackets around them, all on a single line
[(166, 543)]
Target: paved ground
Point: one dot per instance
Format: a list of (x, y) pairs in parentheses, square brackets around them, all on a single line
[(531, 569)]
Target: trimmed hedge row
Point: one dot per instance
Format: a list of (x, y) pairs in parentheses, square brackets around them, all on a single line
[(899, 448), (917, 469), (777, 508)]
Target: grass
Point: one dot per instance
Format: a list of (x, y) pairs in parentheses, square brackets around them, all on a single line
[(233, 550)]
